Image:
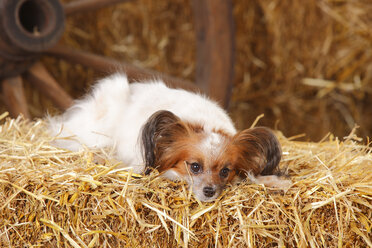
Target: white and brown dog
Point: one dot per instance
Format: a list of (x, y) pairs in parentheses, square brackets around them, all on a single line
[(182, 134)]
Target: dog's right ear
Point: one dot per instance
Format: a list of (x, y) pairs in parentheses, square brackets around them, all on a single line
[(158, 134)]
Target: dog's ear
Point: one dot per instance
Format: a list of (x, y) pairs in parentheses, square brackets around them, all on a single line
[(258, 151), (159, 133)]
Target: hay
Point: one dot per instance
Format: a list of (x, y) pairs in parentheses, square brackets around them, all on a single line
[(51, 197)]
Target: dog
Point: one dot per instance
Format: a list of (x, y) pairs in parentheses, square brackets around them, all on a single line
[(184, 135)]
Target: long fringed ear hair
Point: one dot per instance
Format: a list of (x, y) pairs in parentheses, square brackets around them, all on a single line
[(158, 134), (259, 151)]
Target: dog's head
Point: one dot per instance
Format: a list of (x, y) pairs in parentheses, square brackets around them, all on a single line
[(207, 160)]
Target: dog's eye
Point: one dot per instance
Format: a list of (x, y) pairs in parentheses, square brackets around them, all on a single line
[(224, 172), (195, 167)]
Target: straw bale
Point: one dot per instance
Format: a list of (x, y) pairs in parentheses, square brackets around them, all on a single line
[(50, 197)]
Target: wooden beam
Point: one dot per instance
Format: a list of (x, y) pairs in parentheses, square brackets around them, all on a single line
[(44, 82)]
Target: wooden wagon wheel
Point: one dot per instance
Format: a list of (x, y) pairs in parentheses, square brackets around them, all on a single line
[(32, 28)]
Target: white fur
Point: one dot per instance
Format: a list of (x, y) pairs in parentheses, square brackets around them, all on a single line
[(212, 145), (115, 111)]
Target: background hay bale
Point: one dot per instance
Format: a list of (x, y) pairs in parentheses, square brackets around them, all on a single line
[(304, 64), (51, 197), (281, 43)]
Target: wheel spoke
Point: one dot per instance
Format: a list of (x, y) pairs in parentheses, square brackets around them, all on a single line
[(88, 5), (107, 65), (14, 97), (215, 48), (44, 82)]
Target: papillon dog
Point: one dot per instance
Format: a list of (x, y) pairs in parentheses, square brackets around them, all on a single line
[(184, 135)]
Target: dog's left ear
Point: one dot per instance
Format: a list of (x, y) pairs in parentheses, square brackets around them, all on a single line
[(258, 151), (158, 135)]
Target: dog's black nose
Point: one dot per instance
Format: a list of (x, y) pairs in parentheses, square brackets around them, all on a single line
[(209, 191)]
